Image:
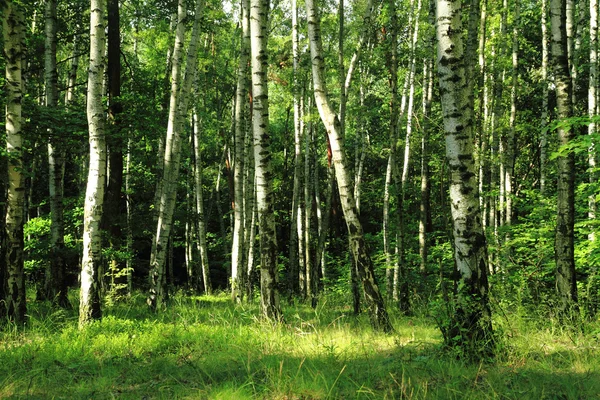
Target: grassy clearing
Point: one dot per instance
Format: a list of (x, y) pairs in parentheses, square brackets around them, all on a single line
[(204, 347)]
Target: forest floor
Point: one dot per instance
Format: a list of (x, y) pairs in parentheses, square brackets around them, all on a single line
[(206, 348)]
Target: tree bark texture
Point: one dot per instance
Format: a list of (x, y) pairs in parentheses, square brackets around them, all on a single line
[(89, 302), (358, 247), (13, 28), (262, 155), (566, 284), (471, 325)]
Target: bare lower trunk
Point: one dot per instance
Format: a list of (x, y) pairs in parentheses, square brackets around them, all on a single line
[(364, 264), (13, 28), (89, 303)]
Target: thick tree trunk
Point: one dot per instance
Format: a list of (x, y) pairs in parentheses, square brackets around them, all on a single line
[(510, 146), (262, 155), (471, 325), (364, 264), (89, 303), (13, 28), (566, 284)]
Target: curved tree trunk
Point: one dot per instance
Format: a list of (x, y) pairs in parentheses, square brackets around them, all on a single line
[(364, 264)]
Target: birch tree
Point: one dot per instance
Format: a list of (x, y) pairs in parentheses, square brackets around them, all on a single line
[(238, 270), (566, 284), (54, 285), (262, 155), (178, 108), (358, 248), (89, 301), (13, 25), (470, 326)]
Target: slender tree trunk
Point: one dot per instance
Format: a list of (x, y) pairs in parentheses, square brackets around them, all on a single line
[(424, 208), (545, 95), (89, 303), (378, 313), (510, 147), (178, 108), (114, 202), (199, 206), (262, 156), (471, 325), (13, 28), (55, 288), (566, 284), (592, 100), (238, 269)]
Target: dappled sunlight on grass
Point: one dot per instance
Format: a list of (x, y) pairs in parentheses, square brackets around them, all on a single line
[(209, 348)]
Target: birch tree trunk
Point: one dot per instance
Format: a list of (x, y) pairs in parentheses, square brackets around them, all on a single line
[(544, 117), (364, 264), (566, 284), (178, 108), (592, 100), (471, 326), (89, 302), (13, 28), (510, 147), (199, 205), (238, 269), (262, 155), (55, 288)]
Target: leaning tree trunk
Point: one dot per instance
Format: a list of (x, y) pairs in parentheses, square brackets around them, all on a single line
[(13, 28), (471, 325), (89, 302), (177, 111), (55, 288), (364, 264), (262, 156), (566, 284)]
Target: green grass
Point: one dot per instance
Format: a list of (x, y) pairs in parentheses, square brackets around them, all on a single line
[(204, 347)]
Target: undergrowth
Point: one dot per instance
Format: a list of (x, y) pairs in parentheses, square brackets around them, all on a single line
[(206, 348)]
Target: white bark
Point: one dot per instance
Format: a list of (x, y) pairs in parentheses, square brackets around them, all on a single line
[(262, 156), (378, 313), (89, 304), (13, 28), (592, 99), (472, 321)]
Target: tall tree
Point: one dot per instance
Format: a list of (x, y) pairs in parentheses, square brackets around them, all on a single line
[(114, 202), (592, 100), (358, 247), (13, 26), (89, 301), (471, 324), (566, 284), (262, 154), (241, 105), (55, 287), (178, 109)]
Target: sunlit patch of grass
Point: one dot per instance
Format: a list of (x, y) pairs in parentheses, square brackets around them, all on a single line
[(206, 347)]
